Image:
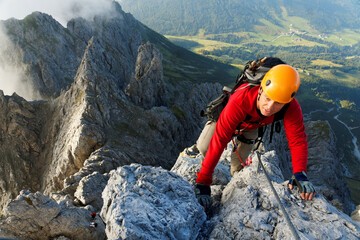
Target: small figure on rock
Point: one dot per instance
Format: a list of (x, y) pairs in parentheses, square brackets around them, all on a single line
[(93, 224)]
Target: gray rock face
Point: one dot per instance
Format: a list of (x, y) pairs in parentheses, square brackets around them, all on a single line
[(147, 89), (35, 216), (153, 203), (79, 120), (355, 215), (60, 134), (54, 138), (250, 210), (324, 167), (247, 208), (187, 168), (20, 138), (90, 189), (150, 203)]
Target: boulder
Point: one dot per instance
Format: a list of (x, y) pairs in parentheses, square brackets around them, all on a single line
[(35, 216), (143, 202), (250, 209)]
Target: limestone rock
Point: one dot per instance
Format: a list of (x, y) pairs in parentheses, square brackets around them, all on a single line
[(20, 138), (35, 216), (52, 139), (150, 203), (147, 88), (79, 121), (83, 70), (187, 168), (249, 209), (51, 53), (325, 170), (90, 189), (355, 215)]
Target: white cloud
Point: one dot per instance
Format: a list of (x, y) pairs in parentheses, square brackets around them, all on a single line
[(62, 10), (12, 76), (12, 80)]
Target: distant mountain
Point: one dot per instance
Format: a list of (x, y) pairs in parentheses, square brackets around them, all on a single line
[(182, 65), (184, 17)]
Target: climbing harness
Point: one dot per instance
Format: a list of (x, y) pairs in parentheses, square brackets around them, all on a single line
[(237, 153), (241, 138), (287, 218)]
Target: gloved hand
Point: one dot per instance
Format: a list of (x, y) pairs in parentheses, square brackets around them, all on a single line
[(307, 190), (203, 194)]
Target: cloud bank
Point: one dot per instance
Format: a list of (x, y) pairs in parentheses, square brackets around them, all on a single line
[(62, 10), (12, 76)]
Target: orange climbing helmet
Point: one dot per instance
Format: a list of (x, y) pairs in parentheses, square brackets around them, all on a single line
[(281, 83)]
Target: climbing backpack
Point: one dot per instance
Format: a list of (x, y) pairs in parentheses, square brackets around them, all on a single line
[(253, 73)]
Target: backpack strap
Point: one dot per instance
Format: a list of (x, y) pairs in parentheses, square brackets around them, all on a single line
[(277, 117), (239, 81), (261, 131), (281, 114)]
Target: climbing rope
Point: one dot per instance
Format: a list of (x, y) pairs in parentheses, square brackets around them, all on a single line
[(287, 218)]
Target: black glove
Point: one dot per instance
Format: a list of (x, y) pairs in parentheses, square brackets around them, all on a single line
[(300, 180), (203, 194)]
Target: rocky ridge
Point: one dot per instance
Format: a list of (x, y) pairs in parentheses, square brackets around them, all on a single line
[(154, 203), (97, 116)]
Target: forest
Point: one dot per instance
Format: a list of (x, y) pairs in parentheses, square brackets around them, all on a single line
[(184, 17)]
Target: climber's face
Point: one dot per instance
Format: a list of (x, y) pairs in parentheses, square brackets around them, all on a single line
[(268, 106)]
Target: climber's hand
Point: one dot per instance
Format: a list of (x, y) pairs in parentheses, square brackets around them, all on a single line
[(203, 194), (307, 190)]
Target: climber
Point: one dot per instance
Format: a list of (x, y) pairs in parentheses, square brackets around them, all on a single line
[(248, 109), (93, 224)]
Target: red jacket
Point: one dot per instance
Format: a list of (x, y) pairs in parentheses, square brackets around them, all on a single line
[(241, 104)]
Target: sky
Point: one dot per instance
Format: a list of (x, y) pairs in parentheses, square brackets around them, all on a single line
[(12, 77)]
